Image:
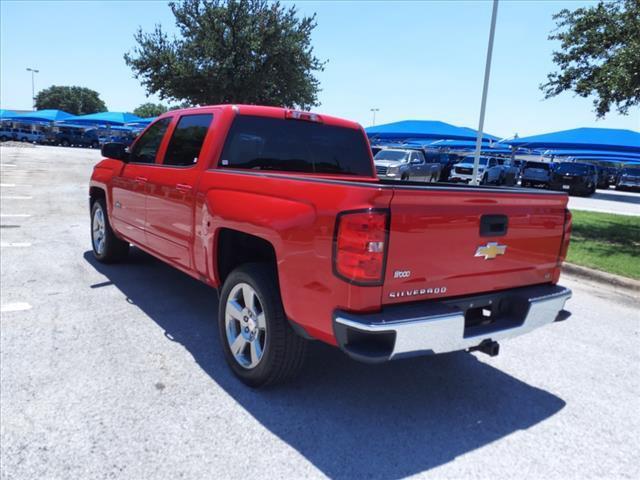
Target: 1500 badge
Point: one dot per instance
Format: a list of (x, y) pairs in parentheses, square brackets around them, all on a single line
[(417, 291)]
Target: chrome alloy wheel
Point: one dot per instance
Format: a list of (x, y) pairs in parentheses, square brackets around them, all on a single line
[(98, 230), (245, 325)]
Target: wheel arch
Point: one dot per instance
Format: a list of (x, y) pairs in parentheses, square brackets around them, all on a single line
[(235, 248)]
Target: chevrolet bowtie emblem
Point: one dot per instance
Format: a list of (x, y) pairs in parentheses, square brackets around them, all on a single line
[(490, 250)]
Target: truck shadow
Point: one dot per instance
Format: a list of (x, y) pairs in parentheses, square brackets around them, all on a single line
[(350, 420)]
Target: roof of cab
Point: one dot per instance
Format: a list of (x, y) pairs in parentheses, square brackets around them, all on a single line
[(265, 111)]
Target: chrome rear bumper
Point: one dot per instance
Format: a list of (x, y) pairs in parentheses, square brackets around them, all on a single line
[(448, 325)]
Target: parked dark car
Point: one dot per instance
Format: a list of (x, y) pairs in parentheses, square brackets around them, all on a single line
[(536, 174), (607, 176), (75, 136), (629, 179), (576, 178)]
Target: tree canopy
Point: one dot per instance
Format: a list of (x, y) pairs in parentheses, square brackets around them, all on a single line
[(235, 51), (147, 110), (76, 100), (599, 55)]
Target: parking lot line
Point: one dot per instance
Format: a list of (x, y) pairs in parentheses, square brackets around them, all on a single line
[(15, 215), (14, 307), (14, 197), (11, 185), (7, 165), (14, 244)]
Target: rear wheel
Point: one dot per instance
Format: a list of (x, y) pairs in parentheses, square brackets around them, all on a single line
[(107, 248), (405, 177), (258, 343), (65, 142)]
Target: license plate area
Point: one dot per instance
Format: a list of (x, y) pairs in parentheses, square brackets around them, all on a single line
[(566, 187)]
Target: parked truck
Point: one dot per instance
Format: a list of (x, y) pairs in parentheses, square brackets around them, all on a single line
[(282, 212)]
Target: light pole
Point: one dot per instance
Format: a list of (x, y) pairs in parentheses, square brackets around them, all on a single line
[(374, 110), (33, 86), (483, 103)]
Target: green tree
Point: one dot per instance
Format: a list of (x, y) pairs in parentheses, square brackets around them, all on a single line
[(235, 51), (76, 100), (147, 110), (599, 55)]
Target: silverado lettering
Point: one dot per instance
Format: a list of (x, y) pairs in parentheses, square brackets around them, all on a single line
[(281, 212)]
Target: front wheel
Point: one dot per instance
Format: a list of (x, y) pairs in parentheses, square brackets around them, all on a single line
[(258, 343), (107, 248)]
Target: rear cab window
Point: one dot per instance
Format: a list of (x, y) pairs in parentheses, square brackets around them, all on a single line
[(264, 143)]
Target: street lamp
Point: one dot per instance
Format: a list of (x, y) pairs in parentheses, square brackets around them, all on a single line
[(33, 86), (485, 87), (374, 110)]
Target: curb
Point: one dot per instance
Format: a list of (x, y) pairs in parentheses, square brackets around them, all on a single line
[(601, 277)]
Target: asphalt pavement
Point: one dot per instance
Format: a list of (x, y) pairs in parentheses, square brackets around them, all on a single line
[(116, 372)]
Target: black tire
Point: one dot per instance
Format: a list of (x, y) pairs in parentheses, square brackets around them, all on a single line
[(4, 138), (283, 350), (114, 249), (65, 142), (405, 177), (24, 139), (95, 144)]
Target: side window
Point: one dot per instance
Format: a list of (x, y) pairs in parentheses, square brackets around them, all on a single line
[(146, 148), (186, 141), (414, 158), (420, 157)]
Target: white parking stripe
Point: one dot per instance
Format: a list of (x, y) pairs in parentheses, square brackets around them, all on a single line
[(14, 307), (14, 197), (7, 185), (14, 244), (7, 165), (14, 215)]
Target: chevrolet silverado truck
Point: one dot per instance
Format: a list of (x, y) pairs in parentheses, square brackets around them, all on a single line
[(281, 212)]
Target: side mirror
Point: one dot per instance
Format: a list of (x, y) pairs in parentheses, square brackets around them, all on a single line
[(115, 150)]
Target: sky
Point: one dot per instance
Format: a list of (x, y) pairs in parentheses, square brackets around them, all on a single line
[(411, 60)]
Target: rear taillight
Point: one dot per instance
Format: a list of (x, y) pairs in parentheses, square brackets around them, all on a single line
[(566, 236), (360, 246)]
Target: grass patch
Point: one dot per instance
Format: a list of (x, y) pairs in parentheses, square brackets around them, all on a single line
[(606, 242)]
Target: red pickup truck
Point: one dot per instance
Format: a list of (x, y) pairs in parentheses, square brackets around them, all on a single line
[(281, 211)]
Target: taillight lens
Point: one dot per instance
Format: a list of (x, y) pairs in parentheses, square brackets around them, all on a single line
[(360, 246), (566, 236)]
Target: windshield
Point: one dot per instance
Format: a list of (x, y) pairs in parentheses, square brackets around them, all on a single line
[(635, 171), (542, 165), (579, 168), (393, 155), (483, 160)]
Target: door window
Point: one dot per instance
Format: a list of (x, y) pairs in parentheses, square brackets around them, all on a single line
[(187, 139), (146, 148)]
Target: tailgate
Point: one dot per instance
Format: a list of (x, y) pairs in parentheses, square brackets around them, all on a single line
[(437, 248)]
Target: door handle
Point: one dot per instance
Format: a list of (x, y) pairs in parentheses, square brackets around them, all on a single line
[(183, 187), (141, 179)]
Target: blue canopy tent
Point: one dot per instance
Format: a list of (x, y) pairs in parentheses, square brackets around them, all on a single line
[(585, 139), (105, 118), (42, 116), (6, 114), (421, 129), (142, 123), (589, 153)]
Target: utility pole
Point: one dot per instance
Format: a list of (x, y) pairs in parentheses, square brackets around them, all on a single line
[(374, 110), (483, 104), (33, 86)]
